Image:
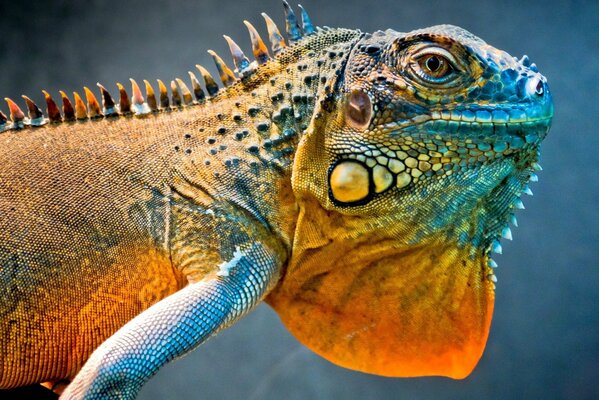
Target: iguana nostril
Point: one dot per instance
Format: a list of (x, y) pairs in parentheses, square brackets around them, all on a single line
[(540, 90), (534, 86)]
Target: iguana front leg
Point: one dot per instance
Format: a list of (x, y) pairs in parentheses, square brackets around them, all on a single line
[(176, 325)]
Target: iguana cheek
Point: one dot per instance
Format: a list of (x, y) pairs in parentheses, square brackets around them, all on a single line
[(350, 182)]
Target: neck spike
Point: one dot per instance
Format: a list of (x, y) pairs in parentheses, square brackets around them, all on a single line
[(36, 116), (293, 30), (277, 43), (150, 96), (211, 86), (197, 89), (164, 100), (107, 102), (52, 108), (124, 104), (176, 95), (137, 99), (80, 108), (187, 98), (242, 63), (307, 26), (67, 107), (16, 114), (3, 120), (227, 76), (258, 46), (92, 104)]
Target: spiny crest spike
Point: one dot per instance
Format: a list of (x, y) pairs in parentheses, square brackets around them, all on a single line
[(211, 86), (107, 102), (150, 96), (197, 89), (187, 98), (242, 63), (258, 46), (277, 43), (124, 104), (164, 101), (16, 114), (36, 116), (52, 108), (3, 120), (137, 98), (176, 95), (92, 103), (80, 108), (227, 76), (293, 31), (307, 25), (67, 107)]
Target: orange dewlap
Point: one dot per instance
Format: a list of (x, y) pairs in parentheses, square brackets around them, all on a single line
[(417, 312)]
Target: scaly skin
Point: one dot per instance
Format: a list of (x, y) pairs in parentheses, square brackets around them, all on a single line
[(335, 181)]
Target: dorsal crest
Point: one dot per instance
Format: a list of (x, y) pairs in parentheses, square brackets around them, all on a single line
[(180, 94)]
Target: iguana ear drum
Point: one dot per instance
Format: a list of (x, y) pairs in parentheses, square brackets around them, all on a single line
[(358, 110)]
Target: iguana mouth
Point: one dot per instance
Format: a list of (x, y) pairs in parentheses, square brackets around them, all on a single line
[(437, 147)]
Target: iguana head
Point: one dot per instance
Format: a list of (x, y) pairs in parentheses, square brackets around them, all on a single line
[(406, 178)]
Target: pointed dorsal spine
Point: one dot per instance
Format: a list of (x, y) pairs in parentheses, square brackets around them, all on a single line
[(185, 92), (176, 95), (16, 114), (209, 82), (150, 96), (307, 25), (291, 26), (36, 116), (80, 108), (243, 67), (3, 122), (140, 107), (52, 108), (197, 89), (277, 43), (67, 107), (164, 100), (124, 103), (109, 108), (227, 76), (258, 47), (92, 104)]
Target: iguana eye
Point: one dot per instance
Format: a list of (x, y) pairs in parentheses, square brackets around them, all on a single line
[(434, 66)]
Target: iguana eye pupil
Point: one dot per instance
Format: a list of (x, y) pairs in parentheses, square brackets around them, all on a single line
[(433, 68), (433, 63)]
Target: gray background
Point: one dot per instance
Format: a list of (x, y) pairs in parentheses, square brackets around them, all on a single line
[(544, 341)]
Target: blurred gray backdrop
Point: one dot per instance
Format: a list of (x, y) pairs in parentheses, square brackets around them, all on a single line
[(544, 341)]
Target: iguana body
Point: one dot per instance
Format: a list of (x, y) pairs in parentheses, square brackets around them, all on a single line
[(329, 179)]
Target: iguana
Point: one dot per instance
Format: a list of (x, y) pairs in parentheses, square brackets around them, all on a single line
[(356, 182)]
